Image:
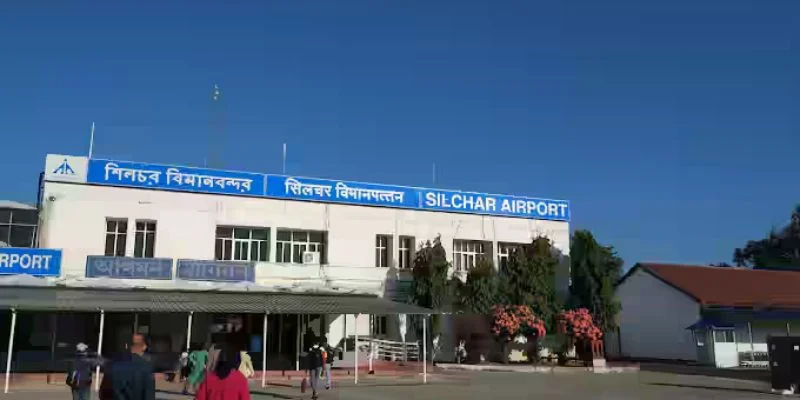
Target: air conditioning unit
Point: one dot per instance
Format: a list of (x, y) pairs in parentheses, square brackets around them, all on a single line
[(311, 257)]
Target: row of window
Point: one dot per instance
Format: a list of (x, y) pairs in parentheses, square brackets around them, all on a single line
[(253, 244)]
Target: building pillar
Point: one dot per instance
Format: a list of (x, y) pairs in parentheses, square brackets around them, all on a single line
[(752, 348), (264, 353), (99, 350), (10, 352), (355, 325)]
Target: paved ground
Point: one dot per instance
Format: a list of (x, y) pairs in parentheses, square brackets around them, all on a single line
[(496, 386)]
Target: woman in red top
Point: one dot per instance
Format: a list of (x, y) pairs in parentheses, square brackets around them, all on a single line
[(225, 382)]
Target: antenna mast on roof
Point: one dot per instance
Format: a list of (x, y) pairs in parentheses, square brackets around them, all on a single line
[(216, 130), (91, 140)]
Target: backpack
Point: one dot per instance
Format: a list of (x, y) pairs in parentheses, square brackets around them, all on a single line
[(315, 359), (75, 378)]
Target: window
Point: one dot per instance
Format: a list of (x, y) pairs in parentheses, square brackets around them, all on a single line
[(18, 227), (292, 244), (382, 250), (381, 325), (242, 244), (723, 336), (116, 237), (144, 241), (504, 252), (406, 254), (466, 252)]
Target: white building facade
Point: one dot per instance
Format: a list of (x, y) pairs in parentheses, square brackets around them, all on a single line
[(160, 226)]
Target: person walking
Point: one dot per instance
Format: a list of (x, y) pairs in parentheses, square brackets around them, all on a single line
[(79, 377), (328, 361), (129, 376), (315, 362), (224, 382), (198, 359)]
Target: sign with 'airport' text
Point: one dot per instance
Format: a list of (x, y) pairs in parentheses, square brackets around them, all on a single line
[(24, 261), (73, 169)]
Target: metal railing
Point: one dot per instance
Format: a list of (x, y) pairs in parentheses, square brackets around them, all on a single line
[(389, 350)]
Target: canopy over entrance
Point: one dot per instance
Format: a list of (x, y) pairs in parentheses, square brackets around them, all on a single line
[(137, 300)]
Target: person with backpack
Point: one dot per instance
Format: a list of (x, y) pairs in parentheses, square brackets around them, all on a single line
[(315, 360), (79, 375)]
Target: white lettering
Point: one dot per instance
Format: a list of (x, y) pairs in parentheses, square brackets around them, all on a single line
[(506, 207), (13, 260), (25, 261), (430, 199), (519, 206), (4, 260), (491, 204), (46, 262), (563, 208), (541, 208), (552, 209), (457, 201), (479, 204), (531, 207)]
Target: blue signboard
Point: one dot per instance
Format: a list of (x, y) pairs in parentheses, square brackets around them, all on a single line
[(36, 262), (124, 173), (128, 267), (366, 194), (491, 204), (224, 271)]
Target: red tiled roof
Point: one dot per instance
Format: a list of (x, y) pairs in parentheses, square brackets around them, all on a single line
[(731, 287)]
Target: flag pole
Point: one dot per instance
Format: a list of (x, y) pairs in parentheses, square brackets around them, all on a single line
[(91, 140), (284, 159)]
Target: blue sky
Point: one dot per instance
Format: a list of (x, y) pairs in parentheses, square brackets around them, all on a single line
[(672, 127)]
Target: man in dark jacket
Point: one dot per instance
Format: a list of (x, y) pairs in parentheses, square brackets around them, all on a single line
[(130, 376)]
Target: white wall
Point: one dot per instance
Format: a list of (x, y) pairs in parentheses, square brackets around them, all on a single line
[(654, 318), (75, 222)]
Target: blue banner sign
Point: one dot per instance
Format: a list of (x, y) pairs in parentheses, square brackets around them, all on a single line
[(341, 192), (224, 271), (128, 268), (24, 261), (491, 204), (124, 173)]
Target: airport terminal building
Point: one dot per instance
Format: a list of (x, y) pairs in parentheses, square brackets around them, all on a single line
[(182, 254)]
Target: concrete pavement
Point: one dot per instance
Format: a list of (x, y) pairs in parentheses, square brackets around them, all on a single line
[(495, 386)]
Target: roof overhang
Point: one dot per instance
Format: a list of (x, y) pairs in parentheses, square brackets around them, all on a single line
[(136, 300)]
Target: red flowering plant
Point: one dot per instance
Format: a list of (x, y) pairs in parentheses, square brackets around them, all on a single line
[(580, 325), (510, 321)]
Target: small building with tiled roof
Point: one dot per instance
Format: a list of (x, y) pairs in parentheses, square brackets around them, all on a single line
[(715, 315)]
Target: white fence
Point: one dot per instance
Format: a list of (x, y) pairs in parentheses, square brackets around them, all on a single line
[(389, 350)]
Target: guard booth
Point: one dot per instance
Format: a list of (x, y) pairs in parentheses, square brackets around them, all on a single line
[(258, 307)]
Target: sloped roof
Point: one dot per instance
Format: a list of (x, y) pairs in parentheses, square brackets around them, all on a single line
[(15, 205), (728, 287)]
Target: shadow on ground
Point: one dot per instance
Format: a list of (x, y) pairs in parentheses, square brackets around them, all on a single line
[(704, 387)]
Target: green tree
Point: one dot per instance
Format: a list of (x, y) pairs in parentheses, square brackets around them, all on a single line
[(529, 279), (779, 250), (479, 293), (430, 286), (594, 270)]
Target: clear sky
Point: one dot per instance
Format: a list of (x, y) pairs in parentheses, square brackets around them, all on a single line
[(671, 126)]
